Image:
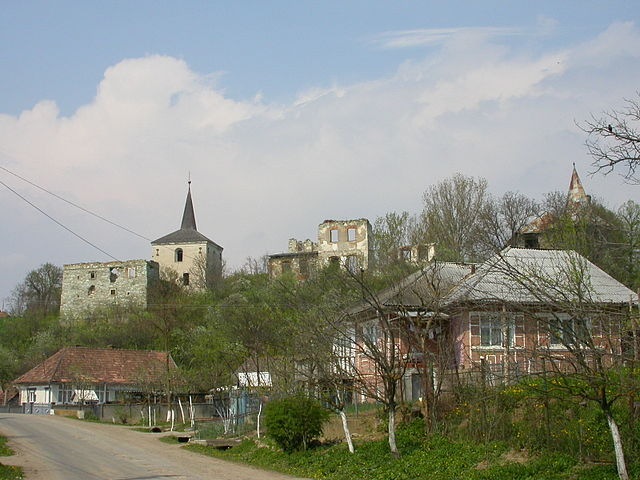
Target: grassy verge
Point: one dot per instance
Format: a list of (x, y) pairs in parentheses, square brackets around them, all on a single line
[(436, 458), (8, 472), (5, 451)]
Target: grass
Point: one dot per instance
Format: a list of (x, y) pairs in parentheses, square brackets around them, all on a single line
[(5, 451), (8, 472), (436, 458)]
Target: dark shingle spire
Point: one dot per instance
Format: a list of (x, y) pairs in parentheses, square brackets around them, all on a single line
[(188, 217)]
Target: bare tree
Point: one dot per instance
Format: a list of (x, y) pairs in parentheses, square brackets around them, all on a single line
[(614, 139), (504, 217), (39, 292), (588, 327), (451, 215)]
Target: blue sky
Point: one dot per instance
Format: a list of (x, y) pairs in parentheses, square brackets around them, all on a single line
[(287, 113)]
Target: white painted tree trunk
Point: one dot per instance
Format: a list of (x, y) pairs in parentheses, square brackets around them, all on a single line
[(191, 413), (150, 416), (258, 419), (181, 411), (392, 433), (347, 432), (173, 419), (617, 446)]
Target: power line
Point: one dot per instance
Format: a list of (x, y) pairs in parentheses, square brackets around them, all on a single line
[(80, 207), (74, 204), (57, 222)]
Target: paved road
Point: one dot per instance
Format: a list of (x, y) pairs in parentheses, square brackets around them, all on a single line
[(57, 448)]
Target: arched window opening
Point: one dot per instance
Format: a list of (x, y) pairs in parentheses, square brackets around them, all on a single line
[(92, 290), (179, 254)]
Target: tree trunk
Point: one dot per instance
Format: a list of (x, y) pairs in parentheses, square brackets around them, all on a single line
[(392, 432), (347, 432), (258, 420), (617, 446)]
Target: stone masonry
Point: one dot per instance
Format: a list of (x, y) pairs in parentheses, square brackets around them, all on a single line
[(88, 287), (347, 243)]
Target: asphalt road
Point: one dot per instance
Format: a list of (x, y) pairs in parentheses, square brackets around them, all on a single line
[(57, 448)]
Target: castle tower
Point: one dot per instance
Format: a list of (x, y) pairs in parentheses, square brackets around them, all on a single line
[(195, 259)]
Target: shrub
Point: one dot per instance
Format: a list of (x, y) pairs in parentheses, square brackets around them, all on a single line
[(294, 422)]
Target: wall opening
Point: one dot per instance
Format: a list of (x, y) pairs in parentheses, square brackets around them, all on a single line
[(179, 255)]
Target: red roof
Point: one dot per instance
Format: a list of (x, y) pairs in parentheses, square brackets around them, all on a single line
[(100, 365)]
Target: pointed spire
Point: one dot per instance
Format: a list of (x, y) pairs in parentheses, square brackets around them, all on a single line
[(577, 195), (188, 217)]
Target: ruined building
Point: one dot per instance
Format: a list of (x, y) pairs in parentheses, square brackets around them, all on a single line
[(348, 243), (187, 254), (87, 287)]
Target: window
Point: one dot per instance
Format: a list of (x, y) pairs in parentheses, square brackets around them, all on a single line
[(351, 234), (66, 394), (565, 330), (370, 334), (179, 254), (31, 395), (333, 235), (92, 275), (92, 290), (113, 292), (496, 328), (131, 272), (114, 273), (185, 279)]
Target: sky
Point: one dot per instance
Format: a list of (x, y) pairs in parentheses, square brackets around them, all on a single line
[(287, 113)]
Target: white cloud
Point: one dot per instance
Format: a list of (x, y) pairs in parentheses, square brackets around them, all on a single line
[(263, 173), (428, 37)]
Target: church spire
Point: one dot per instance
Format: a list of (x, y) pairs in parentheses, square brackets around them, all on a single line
[(188, 217), (577, 195)]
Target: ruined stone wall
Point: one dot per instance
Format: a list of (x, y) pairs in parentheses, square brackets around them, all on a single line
[(302, 264), (87, 287), (343, 240)]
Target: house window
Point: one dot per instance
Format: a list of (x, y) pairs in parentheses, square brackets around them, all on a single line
[(185, 279), (286, 266), (101, 394), (113, 292), (131, 272), (92, 275), (179, 254), (564, 330), (495, 328), (370, 334), (333, 235), (92, 290), (351, 234), (66, 394), (31, 395)]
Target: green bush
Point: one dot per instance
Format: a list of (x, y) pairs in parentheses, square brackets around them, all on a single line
[(294, 422)]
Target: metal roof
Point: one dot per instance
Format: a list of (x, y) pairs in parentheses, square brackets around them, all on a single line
[(541, 276)]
